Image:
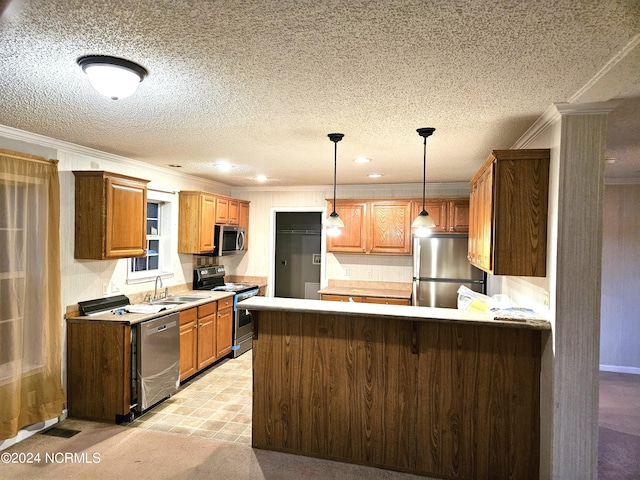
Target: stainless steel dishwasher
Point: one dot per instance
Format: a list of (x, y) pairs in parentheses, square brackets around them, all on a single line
[(158, 359)]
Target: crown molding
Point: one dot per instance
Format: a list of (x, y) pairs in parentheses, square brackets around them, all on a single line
[(431, 187), (44, 141)]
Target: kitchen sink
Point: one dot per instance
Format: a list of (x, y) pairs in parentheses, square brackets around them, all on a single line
[(185, 298), (168, 302)]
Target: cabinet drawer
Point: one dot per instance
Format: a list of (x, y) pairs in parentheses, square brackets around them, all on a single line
[(207, 309), (187, 316), (387, 301), (341, 298), (225, 303)]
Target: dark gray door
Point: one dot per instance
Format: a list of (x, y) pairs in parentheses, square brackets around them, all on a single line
[(297, 265)]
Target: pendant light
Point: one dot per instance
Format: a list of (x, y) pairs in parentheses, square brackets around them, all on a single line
[(113, 77), (423, 223), (333, 222)]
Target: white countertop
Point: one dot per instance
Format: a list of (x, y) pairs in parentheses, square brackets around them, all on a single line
[(394, 311), (134, 318)]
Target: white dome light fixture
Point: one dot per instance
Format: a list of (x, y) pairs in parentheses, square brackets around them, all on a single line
[(333, 222), (113, 77), (423, 223)]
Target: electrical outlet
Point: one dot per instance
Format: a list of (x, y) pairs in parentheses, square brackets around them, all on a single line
[(347, 272), (114, 288), (105, 288), (369, 274), (546, 299)]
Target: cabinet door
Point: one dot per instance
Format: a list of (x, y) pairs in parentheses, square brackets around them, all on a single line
[(390, 230), (485, 220), (353, 238), (243, 221), (206, 334), (481, 220), (206, 227), (188, 343), (126, 218), (222, 211), (234, 212), (458, 216), (437, 210), (224, 329), (474, 235)]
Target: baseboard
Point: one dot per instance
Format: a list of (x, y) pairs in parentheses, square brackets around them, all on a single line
[(26, 432), (620, 369)]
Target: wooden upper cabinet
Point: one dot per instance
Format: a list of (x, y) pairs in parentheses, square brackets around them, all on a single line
[(373, 226), (243, 221), (110, 215), (196, 220), (390, 227), (227, 211), (508, 213), (451, 215), (458, 215), (437, 210), (353, 238)]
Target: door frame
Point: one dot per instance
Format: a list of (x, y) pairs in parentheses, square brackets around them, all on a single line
[(272, 244)]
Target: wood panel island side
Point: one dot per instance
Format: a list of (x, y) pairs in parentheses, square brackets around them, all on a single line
[(431, 391)]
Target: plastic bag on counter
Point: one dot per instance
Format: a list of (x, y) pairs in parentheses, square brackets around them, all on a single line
[(498, 306), (474, 301)]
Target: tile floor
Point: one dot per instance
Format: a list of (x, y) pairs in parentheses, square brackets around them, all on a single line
[(215, 404)]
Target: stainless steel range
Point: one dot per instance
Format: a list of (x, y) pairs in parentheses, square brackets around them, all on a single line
[(212, 278)]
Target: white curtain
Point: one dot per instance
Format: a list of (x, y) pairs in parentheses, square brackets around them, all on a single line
[(30, 303)]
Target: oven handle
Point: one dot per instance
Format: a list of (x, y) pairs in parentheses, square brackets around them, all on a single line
[(238, 297)]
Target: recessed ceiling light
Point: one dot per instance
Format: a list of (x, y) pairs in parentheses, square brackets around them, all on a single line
[(362, 160), (223, 166), (261, 178), (610, 160), (374, 175)]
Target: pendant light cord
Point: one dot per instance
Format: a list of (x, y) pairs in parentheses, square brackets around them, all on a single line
[(335, 167), (424, 173)]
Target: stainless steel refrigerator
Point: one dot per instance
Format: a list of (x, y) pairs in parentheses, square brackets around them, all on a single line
[(440, 266)]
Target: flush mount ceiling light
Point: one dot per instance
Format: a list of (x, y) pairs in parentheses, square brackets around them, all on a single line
[(113, 77), (374, 175), (261, 178), (361, 160), (333, 222), (423, 222)]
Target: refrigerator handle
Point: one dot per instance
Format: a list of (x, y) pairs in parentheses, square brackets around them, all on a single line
[(416, 258)]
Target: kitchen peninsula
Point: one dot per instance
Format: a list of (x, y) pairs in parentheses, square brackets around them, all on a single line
[(437, 392)]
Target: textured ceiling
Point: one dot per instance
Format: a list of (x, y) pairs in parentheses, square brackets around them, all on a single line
[(262, 83)]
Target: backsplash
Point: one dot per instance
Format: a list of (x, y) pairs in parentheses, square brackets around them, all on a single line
[(369, 268)]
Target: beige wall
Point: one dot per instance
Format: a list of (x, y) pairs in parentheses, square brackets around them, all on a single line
[(619, 325)]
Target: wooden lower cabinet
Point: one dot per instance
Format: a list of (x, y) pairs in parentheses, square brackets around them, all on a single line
[(98, 371), (381, 300), (445, 400), (224, 327), (188, 342), (205, 335)]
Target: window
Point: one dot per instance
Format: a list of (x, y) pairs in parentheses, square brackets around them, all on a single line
[(159, 258)]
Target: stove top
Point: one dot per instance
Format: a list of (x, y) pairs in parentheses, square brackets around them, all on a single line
[(234, 287), (212, 278)]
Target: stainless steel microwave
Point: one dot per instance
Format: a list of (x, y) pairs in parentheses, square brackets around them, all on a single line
[(229, 240)]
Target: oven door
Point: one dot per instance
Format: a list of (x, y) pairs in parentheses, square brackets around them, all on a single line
[(242, 324)]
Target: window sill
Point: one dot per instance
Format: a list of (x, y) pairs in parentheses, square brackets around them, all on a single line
[(148, 278)]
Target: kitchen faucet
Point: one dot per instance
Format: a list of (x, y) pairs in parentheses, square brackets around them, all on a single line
[(155, 291)]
